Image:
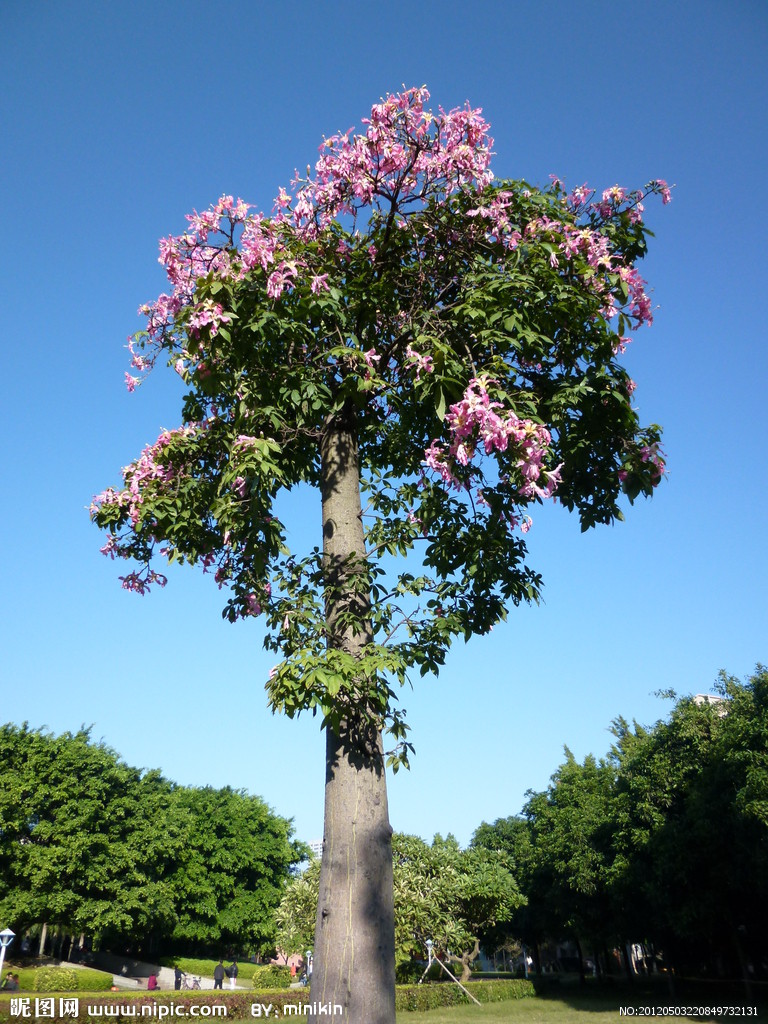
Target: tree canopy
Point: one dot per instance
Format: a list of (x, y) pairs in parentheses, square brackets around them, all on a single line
[(471, 330), (92, 846)]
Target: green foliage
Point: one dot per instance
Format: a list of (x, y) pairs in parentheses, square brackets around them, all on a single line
[(269, 976), (448, 895), (91, 845), (232, 870), (442, 893), (89, 980), (297, 911), (55, 979)]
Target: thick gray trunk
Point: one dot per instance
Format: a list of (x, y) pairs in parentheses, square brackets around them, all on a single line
[(354, 955)]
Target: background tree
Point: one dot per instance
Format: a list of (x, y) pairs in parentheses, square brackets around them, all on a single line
[(512, 839), (692, 843), (406, 329), (441, 892), (571, 830), (664, 844), (230, 875), (295, 916), (89, 845), (452, 896), (80, 852)]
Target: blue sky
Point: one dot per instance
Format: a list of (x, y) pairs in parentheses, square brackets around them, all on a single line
[(118, 119)]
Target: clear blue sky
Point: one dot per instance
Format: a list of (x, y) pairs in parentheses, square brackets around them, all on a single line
[(117, 119)]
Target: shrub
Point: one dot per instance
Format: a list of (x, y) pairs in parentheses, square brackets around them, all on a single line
[(55, 979), (429, 997), (271, 976)]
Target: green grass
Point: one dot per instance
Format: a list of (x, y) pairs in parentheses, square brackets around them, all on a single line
[(88, 979), (526, 1011), (205, 968), (570, 1004)]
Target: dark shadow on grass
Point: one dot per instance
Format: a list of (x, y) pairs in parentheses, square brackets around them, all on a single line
[(611, 993)]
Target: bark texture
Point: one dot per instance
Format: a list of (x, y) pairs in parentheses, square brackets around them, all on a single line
[(354, 956)]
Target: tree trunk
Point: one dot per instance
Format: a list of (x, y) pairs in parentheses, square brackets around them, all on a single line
[(354, 956), (582, 975), (43, 937)]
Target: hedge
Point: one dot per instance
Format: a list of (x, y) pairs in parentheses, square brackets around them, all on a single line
[(431, 996), (238, 1004), (55, 979)]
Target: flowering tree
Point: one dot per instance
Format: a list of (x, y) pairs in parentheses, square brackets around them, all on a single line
[(441, 893), (433, 350)]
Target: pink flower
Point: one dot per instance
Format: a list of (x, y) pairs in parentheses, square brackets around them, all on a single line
[(208, 314), (423, 364), (664, 190), (434, 457), (319, 283), (281, 279)]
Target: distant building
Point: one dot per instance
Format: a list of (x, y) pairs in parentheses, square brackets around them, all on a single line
[(713, 700), (316, 846)]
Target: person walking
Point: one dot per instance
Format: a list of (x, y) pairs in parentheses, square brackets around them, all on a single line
[(232, 972), (177, 974), (218, 974)]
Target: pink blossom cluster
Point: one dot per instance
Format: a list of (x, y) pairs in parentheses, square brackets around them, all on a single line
[(195, 254), (407, 153), (207, 314), (653, 454), (476, 419), (141, 582), (617, 199), (281, 278), (253, 602), (137, 475), (406, 156)]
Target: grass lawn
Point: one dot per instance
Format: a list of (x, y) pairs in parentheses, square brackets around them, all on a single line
[(526, 1011), (572, 1005)]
